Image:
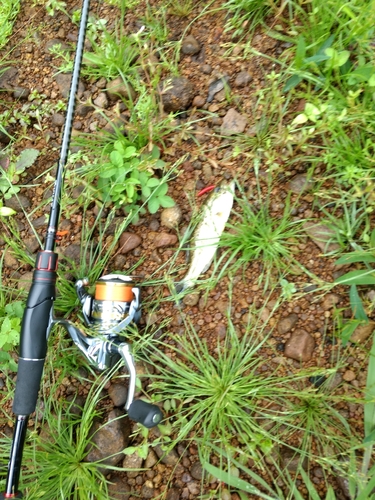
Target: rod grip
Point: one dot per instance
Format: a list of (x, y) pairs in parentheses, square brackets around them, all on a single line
[(27, 387)]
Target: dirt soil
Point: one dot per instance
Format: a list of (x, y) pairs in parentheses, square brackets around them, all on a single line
[(206, 162)]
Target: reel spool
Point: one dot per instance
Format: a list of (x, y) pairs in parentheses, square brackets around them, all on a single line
[(111, 303), (115, 304)]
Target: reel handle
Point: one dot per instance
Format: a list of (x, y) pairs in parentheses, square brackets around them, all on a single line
[(144, 413)]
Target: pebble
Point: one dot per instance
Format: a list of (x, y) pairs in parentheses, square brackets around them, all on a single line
[(168, 458), (173, 494), (190, 45), (118, 88), (322, 235), (286, 324), (151, 459), (191, 299), (362, 332), (196, 471), (199, 101), (206, 69), (57, 119), (63, 82), (118, 489), (330, 300), (133, 461), (233, 123), (118, 394), (349, 375), (300, 346), (300, 183), (178, 94), (243, 78), (128, 241), (110, 439), (171, 217), (101, 101), (163, 240)]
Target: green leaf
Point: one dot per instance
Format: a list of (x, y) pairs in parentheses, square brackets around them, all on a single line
[(26, 159), (130, 151), (348, 329), (352, 257), (356, 304), (153, 205), (357, 278), (235, 482), (300, 52), (7, 212), (116, 158), (153, 182), (161, 190), (108, 173), (292, 82), (146, 191), (166, 201)]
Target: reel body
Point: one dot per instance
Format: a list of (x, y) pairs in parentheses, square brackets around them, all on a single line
[(115, 304)]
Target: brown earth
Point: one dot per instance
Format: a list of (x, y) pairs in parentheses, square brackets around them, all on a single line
[(303, 327)]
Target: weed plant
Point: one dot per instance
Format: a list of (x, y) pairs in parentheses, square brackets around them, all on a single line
[(258, 235), (54, 459), (8, 13)]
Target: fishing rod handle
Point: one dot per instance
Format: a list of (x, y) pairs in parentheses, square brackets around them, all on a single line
[(36, 324)]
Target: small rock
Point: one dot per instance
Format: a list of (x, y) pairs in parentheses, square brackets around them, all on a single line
[(242, 79), (21, 93), (300, 183), (101, 101), (330, 300), (118, 489), (233, 123), (73, 252), (57, 119), (32, 244), (164, 240), (84, 109), (191, 299), (171, 217), (206, 69), (18, 202), (167, 458), (177, 95), (129, 241), (147, 490), (323, 236), (8, 78), (120, 88), (362, 332), (202, 134), (196, 471), (173, 494), (217, 86), (63, 82), (133, 461), (300, 346), (9, 259), (77, 404), (55, 41), (198, 101), (190, 45), (25, 281), (118, 394), (349, 375), (110, 439), (286, 324), (151, 459), (292, 460)]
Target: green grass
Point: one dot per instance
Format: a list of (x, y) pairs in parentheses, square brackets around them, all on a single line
[(8, 13)]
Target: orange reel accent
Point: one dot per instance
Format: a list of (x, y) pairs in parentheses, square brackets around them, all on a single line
[(114, 292)]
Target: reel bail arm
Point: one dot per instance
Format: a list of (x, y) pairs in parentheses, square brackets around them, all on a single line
[(115, 305)]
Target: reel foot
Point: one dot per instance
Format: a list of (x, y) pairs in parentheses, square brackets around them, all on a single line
[(15, 495), (144, 413)]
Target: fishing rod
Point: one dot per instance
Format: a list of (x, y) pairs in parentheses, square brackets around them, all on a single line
[(107, 314)]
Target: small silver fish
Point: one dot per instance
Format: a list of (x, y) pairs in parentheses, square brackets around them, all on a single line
[(215, 213)]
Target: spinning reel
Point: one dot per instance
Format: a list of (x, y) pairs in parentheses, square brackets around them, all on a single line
[(115, 304)]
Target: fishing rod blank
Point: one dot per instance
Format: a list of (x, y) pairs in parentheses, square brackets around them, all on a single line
[(38, 314)]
